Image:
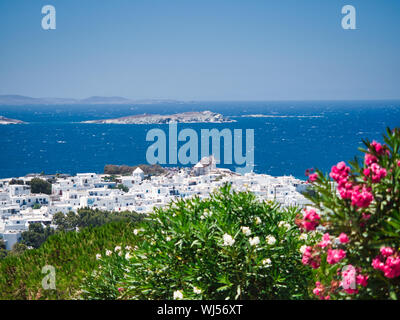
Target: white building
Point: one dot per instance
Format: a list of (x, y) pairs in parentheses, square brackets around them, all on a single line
[(94, 191)]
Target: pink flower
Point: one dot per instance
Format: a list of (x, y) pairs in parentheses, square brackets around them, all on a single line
[(313, 177), (311, 258), (319, 291), (370, 159), (310, 219), (351, 291), (362, 280), (377, 264), (343, 238), (326, 241), (388, 262), (335, 255), (361, 198), (398, 163), (386, 251), (120, 289), (340, 172), (378, 173), (377, 147), (349, 279)]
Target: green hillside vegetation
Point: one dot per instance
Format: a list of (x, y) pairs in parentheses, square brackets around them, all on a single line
[(73, 255)]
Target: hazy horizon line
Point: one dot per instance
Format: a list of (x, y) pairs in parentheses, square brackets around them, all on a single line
[(206, 100)]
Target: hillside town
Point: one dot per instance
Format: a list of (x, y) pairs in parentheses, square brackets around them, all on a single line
[(19, 207)]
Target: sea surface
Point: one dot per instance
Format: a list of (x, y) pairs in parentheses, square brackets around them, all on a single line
[(295, 136)]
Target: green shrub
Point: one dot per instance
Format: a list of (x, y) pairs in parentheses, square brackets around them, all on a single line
[(229, 246), (73, 255), (40, 186)]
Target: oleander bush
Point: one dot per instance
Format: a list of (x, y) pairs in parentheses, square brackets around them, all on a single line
[(72, 254), (229, 246), (354, 225)]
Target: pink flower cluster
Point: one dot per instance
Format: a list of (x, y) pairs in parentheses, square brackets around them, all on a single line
[(376, 172), (310, 220), (351, 277), (361, 197), (313, 177), (319, 291), (349, 280), (326, 241), (343, 238), (335, 255), (311, 258), (340, 172), (370, 159), (379, 149), (388, 262)]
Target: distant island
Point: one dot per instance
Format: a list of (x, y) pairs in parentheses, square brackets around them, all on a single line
[(4, 120), (18, 100), (185, 117)]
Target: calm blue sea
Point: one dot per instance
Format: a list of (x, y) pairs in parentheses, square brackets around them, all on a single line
[(300, 136)]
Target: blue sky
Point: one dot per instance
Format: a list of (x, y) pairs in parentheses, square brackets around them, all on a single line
[(201, 49)]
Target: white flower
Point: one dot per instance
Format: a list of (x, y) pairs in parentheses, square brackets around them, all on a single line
[(108, 252), (168, 238), (127, 256), (284, 224), (303, 248), (98, 256), (258, 220), (303, 236), (206, 214), (254, 241), (178, 295), (120, 253), (117, 248), (196, 290), (128, 248), (246, 231), (135, 232), (228, 240), (267, 262), (270, 240)]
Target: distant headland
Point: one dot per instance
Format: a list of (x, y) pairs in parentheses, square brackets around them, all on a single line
[(18, 100), (185, 117)]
